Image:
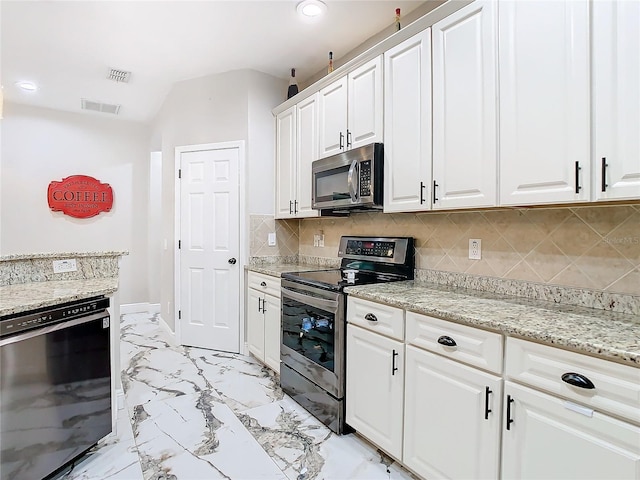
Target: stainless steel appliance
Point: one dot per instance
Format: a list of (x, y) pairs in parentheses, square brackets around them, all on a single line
[(55, 386), (350, 180), (312, 352)]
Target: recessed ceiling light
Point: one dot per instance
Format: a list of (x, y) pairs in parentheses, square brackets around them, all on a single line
[(311, 8), (27, 86)]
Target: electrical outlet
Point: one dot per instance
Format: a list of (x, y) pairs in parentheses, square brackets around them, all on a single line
[(67, 265), (271, 239), (475, 248)]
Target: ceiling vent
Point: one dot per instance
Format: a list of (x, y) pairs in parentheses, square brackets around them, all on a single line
[(100, 107), (120, 76)]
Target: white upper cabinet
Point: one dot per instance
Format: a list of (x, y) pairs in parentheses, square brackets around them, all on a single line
[(333, 118), (365, 104), (307, 148), (544, 102), (351, 110), (407, 125), (286, 158), (465, 107), (296, 149), (616, 94)]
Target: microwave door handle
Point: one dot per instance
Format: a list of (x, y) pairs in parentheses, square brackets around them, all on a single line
[(352, 179)]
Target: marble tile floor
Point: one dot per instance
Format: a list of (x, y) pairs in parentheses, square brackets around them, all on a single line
[(200, 414)]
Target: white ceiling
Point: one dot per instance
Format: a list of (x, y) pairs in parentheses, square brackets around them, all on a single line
[(67, 47)]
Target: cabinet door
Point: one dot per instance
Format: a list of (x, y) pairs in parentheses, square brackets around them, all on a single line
[(407, 125), (544, 102), (550, 438), (616, 92), (255, 323), (307, 137), (333, 118), (365, 104), (272, 332), (449, 416), (465, 107), (374, 392), (286, 158)]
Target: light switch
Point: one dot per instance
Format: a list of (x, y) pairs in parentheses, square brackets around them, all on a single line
[(271, 239)]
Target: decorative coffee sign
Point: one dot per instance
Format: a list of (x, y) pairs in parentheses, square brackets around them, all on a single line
[(80, 196)]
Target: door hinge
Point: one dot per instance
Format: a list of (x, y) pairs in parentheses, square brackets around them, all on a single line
[(179, 244), (179, 173), (179, 314)]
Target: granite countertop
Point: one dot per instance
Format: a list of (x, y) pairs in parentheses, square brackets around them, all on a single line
[(28, 296), (30, 256), (609, 335)]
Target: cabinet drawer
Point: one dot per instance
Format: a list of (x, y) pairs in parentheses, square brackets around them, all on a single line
[(264, 283), (473, 346), (616, 387), (376, 317)]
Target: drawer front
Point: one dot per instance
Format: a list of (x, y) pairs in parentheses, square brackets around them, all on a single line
[(379, 318), (473, 346), (616, 387), (264, 283)]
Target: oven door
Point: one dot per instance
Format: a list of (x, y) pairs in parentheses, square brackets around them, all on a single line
[(313, 335)]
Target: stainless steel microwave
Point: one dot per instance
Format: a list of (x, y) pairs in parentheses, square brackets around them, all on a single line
[(349, 180)]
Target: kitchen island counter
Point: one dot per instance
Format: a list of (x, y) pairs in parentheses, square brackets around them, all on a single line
[(605, 334)]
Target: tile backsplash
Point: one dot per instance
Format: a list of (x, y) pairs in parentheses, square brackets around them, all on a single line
[(286, 231), (594, 247)]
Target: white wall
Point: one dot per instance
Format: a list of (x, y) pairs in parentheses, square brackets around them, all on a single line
[(265, 92), (41, 145), (210, 110)]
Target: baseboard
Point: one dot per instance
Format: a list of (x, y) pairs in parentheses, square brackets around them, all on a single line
[(143, 307), (120, 398), (166, 327), (134, 308)]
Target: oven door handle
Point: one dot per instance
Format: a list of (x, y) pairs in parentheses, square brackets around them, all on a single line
[(36, 332), (324, 304)]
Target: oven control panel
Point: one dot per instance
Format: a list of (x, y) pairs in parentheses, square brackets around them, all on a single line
[(370, 248), (390, 250)]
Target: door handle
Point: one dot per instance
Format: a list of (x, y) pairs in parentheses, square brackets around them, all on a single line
[(604, 174), (341, 141), (232, 261), (259, 307), (348, 138), (394, 369), (353, 179)]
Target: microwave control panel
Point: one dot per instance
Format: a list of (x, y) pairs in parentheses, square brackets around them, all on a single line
[(365, 178)]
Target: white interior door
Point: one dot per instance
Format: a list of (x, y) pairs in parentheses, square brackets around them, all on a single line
[(209, 248)]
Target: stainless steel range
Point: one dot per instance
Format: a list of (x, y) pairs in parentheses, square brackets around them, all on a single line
[(312, 352)]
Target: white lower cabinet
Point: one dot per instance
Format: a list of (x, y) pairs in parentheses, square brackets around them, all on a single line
[(569, 415), (434, 395), (375, 387), (451, 418), (546, 437), (263, 319)]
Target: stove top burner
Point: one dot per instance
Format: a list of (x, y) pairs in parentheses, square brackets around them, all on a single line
[(365, 260)]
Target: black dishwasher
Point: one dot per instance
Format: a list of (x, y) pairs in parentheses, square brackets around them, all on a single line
[(55, 386)]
